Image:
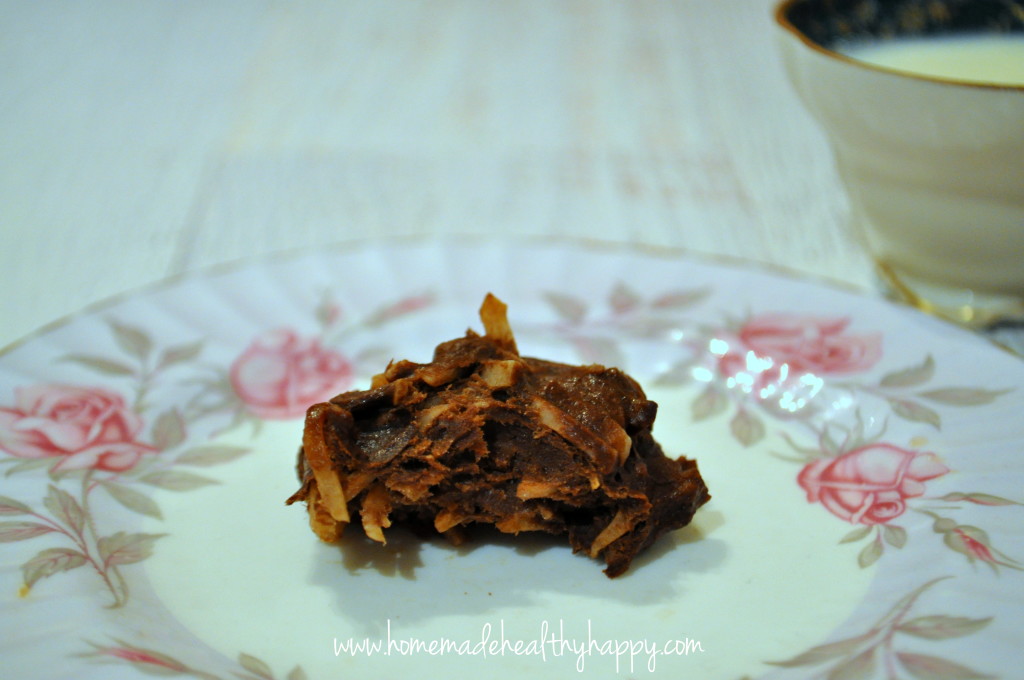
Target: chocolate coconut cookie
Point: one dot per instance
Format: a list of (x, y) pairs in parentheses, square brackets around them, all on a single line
[(481, 435)]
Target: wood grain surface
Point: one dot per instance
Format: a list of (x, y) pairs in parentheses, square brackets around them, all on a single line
[(145, 139)]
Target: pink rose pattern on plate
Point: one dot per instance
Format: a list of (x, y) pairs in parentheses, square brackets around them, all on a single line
[(808, 344), (777, 367), (759, 370), (786, 368), (280, 374), (94, 439), (79, 427), (869, 485)]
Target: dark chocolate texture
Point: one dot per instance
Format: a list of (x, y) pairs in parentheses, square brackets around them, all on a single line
[(481, 435)]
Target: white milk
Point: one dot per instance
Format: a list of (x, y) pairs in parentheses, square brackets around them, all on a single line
[(995, 59)]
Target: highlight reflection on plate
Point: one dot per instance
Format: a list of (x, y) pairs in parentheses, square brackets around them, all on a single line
[(863, 462)]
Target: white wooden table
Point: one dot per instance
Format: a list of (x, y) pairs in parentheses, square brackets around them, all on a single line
[(150, 138)]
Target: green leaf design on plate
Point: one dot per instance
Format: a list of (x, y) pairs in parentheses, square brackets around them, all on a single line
[(655, 327), (622, 299), (940, 627), (895, 536), (870, 553), (22, 531), (978, 498), (597, 350), (823, 653), (855, 668), (907, 601), (747, 428), (169, 430), (207, 456), (856, 534), (180, 354), (829, 445), (327, 311), (257, 667), (708, 403), (126, 548), (915, 412), (963, 396), (857, 657), (926, 667), (807, 453), (65, 508), (29, 464), (567, 307), (133, 500), (679, 373), (678, 299), (49, 562), (911, 377), (132, 340), (175, 480), (9, 506), (297, 674), (100, 364)]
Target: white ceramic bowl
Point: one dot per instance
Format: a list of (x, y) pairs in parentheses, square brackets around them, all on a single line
[(934, 168)]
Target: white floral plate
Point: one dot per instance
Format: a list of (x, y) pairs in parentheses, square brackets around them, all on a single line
[(864, 461)]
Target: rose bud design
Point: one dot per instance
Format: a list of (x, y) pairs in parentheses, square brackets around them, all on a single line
[(772, 354), (810, 344), (281, 374), (870, 485)]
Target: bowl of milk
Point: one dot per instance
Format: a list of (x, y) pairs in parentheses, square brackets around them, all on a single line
[(923, 104)]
